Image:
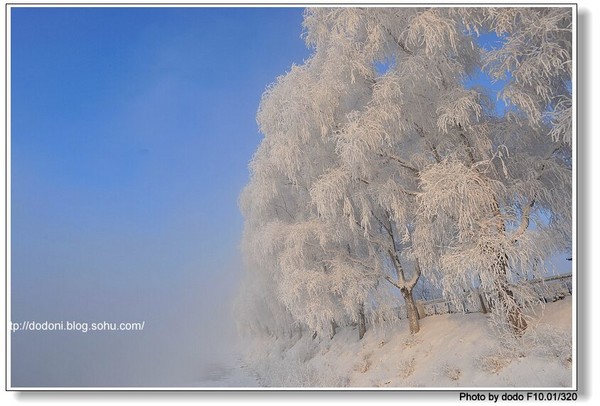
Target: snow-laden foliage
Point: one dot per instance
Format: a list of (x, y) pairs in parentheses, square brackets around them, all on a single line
[(379, 168), (323, 275), (537, 60), (495, 217)]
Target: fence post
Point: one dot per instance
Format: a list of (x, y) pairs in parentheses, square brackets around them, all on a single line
[(420, 309), (482, 301)]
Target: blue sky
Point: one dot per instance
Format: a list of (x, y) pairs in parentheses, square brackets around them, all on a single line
[(132, 129)]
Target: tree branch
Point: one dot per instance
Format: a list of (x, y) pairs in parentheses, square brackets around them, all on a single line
[(468, 146), (391, 229), (400, 162), (397, 267), (382, 225), (524, 221), (435, 152), (277, 206), (370, 237), (399, 43), (296, 184), (405, 191), (421, 132), (358, 261), (417, 272), (390, 280), (526, 211)]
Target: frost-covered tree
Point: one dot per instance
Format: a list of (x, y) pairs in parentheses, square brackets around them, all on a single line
[(536, 60), (379, 163), (392, 132), (318, 267), (498, 204), (497, 217)]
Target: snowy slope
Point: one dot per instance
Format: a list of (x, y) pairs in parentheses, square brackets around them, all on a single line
[(453, 350), (231, 373)]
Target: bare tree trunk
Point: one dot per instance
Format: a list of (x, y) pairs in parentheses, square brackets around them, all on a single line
[(506, 299), (406, 288), (482, 302), (411, 310), (362, 324), (505, 296), (515, 317)]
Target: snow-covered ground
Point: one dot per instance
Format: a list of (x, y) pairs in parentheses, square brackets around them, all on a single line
[(453, 350), (227, 374)]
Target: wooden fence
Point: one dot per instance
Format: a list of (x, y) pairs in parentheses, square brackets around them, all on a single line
[(548, 289)]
